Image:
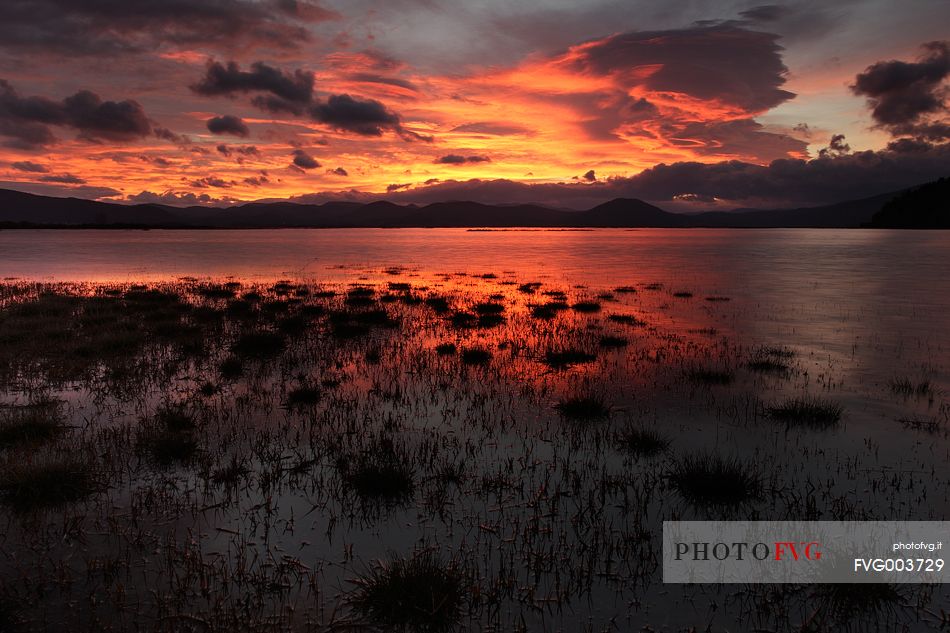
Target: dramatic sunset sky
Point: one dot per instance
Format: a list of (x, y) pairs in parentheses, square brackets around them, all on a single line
[(689, 104)]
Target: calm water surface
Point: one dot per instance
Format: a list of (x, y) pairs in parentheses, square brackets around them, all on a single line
[(858, 309)]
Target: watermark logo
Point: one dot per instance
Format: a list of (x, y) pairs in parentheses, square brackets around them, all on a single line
[(804, 551)]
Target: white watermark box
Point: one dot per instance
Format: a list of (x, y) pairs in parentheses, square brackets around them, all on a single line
[(805, 551)]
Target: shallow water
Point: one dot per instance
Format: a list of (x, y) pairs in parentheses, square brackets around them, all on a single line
[(556, 524)]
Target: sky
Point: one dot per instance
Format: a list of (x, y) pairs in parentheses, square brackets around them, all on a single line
[(690, 105)]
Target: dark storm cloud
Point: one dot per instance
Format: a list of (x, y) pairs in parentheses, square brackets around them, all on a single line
[(293, 93), (97, 27), (212, 181), (244, 150), (304, 160), (306, 11), (25, 120), (723, 62), (167, 135), (339, 171), (901, 94), (366, 117), (30, 166), (837, 146), (765, 13), (228, 124), (176, 198), (743, 137), (66, 179), (257, 181), (286, 90), (491, 128), (590, 176), (458, 159), (381, 79)]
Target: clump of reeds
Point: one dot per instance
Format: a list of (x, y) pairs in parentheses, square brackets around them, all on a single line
[(303, 396), (583, 408), (626, 319), (641, 442), (906, 387), (378, 472), (842, 602), (587, 307), (613, 342), (418, 593), (44, 483), (563, 358), (446, 349), (710, 375), (262, 344), (33, 423), (813, 412), (169, 437), (711, 480), (476, 356)]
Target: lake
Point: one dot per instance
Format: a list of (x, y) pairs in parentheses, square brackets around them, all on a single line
[(267, 413)]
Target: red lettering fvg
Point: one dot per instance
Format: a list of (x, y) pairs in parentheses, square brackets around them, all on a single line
[(801, 550)]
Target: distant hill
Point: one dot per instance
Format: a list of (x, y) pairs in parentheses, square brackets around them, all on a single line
[(19, 210), (848, 214), (924, 207), (16, 206)]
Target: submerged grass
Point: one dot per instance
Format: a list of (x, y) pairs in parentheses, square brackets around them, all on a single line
[(379, 472), (813, 412), (417, 593), (564, 358), (641, 442), (476, 356), (583, 408), (46, 483), (710, 376), (33, 423), (707, 480)]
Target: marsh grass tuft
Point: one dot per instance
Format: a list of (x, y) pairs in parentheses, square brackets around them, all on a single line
[(706, 480), (710, 376), (32, 423), (378, 472), (613, 342), (906, 387), (169, 437), (26, 486), (303, 396), (766, 365), (626, 319), (548, 310), (260, 345), (564, 358), (813, 412), (446, 349), (439, 305), (641, 442), (418, 593), (231, 367), (583, 408), (489, 307), (842, 602), (476, 356), (587, 307)]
